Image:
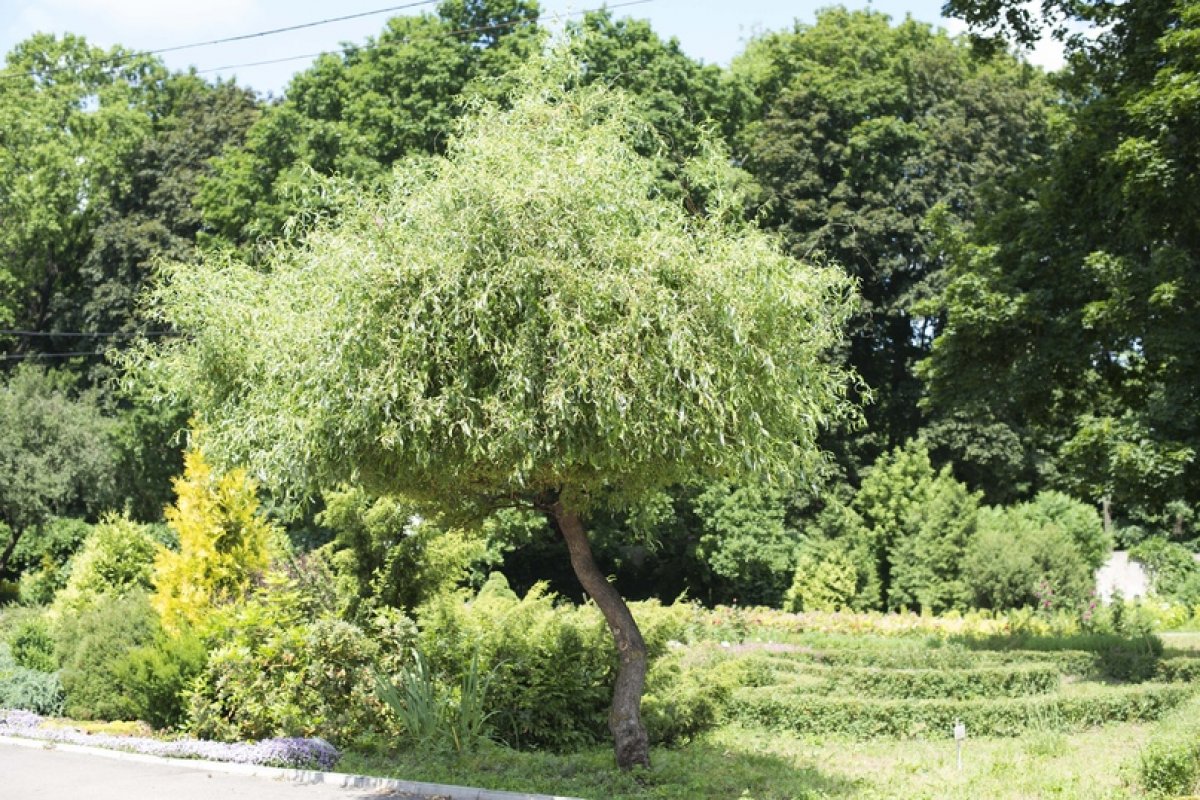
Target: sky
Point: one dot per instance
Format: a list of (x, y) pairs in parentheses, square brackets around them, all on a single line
[(710, 30)]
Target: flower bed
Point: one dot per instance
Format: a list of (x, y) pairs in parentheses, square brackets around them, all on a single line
[(287, 752)]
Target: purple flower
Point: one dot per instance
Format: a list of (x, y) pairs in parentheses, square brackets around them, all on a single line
[(284, 752)]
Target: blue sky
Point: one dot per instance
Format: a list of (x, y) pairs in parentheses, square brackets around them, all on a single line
[(711, 30)]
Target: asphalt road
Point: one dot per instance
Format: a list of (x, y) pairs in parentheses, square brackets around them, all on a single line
[(46, 774)]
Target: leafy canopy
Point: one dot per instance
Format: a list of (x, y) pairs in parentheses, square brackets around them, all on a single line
[(524, 316)]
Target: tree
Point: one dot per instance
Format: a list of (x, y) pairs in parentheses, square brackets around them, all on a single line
[(68, 120), (224, 545), (356, 113), (56, 453), (1073, 313), (856, 130), (524, 322)]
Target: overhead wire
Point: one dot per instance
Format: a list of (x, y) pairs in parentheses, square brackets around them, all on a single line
[(117, 60), (75, 354), (458, 32), (96, 334)]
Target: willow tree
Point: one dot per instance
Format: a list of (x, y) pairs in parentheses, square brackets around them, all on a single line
[(525, 321)]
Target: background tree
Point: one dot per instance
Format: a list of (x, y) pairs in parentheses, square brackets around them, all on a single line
[(524, 322), (856, 129), (1072, 313), (56, 454), (356, 113)]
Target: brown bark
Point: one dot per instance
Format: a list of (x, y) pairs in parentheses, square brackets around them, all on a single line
[(630, 741), (14, 536)]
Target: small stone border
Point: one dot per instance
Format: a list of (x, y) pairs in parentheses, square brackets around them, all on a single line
[(433, 791)]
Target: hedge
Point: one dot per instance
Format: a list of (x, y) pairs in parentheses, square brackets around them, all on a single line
[(950, 684), (869, 718), (1169, 764), (1181, 669), (1067, 662)]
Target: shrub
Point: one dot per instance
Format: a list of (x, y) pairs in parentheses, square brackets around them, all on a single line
[(224, 543), (826, 579), (157, 675), (116, 559), (1180, 669), (44, 559), (1169, 764), (90, 647), (684, 698), (1013, 553), (278, 672), (32, 644), (552, 666), (957, 684), (394, 557), (870, 718), (28, 689)]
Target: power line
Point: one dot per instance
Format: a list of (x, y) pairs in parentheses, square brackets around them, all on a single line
[(383, 45), (22, 356), (97, 334), (117, 60)]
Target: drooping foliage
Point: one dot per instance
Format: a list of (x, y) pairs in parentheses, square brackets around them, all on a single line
[(466, 335)]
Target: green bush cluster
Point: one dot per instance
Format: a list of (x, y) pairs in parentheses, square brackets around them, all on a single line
[(955, 684), (28, 689), (277, 671), (867, 718), (1169, 764), (551, 664), (1178, 669)]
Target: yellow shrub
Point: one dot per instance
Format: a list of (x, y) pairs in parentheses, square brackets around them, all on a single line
[(223, 544)]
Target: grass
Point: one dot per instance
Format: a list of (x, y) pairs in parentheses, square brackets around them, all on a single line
[(735, 762)]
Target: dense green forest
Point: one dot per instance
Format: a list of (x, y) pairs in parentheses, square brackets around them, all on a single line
[(1022, 245), (973, 369)]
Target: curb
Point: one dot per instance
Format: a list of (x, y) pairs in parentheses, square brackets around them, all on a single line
[(432, 791)]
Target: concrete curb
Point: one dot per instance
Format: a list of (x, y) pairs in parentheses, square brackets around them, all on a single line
[(436, 791)]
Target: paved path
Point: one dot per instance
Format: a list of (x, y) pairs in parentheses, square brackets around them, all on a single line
[(46, 774)]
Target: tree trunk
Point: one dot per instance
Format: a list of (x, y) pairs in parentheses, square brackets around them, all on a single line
[(624, 720), (1106, 505), (14, 536)]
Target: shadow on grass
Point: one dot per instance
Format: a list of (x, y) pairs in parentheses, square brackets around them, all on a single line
[(700, 771)]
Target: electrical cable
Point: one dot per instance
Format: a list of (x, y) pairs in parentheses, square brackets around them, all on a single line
[(119, 59), (385, 45)]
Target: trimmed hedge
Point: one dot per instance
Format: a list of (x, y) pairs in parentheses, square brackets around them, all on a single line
[(1067, 662), (949, 684), (869, 718), (1181, 669), (1169, 764)]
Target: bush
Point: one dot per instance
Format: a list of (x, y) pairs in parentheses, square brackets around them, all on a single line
[(392, 556), (1169, 764), (1012, 554), (90, 648), (1180, 669), (1132, 657), (224, 544), (32, 644), (685, 698), (28, 689), (950, 684), (552, 666), (157, 675), (43, 557), (279, 672), (873, 718), (826, 579), (116, 559)]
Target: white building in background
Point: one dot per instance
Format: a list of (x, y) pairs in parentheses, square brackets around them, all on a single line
[(1120, 574)]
